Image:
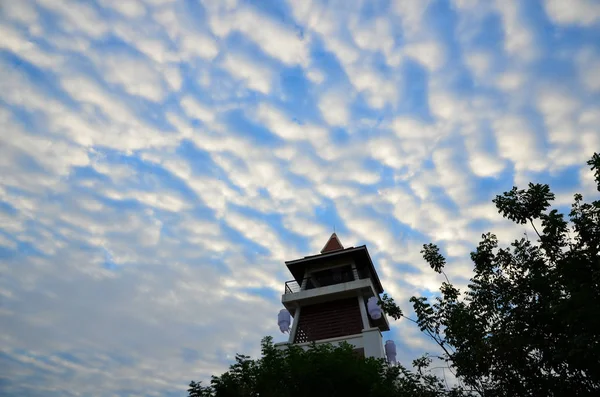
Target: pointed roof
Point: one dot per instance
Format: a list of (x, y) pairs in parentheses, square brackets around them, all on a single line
[(360, 255), (333, 244)]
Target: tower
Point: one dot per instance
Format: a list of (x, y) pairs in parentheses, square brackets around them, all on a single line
[(328, 299)]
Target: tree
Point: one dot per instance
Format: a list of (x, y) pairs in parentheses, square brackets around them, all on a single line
[(322, 370), (529, 322)]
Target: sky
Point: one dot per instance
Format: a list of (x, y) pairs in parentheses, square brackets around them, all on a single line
[(161, 159)]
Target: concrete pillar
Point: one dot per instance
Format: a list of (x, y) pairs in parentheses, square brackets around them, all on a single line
[(294, 325), (354, 271), (363, 312), (304, 280), (373, 343)]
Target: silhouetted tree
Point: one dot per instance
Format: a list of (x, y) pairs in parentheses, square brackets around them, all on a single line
[(321, 371), (529, 322)]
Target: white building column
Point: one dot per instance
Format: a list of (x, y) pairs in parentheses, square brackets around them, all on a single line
[(363, 312), (294, 325), (354, 271), (373, 343), (304, 281)]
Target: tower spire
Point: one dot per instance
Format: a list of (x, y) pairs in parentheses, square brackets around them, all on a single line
[(333, 244)]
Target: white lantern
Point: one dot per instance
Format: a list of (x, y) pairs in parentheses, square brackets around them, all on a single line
[(390, 351), (373, 308), (284, 320)]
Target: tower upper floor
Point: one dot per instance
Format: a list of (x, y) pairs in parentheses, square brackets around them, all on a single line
[(335, 274)]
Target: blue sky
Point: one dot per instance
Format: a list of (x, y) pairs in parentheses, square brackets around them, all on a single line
[(161, 159)]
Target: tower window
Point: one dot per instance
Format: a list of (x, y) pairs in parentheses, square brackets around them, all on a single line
[(336, 275)]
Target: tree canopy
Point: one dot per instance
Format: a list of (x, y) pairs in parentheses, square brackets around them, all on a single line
[(528, 323), (321, 371)]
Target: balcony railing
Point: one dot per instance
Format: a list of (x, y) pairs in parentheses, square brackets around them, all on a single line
[(292, 286)]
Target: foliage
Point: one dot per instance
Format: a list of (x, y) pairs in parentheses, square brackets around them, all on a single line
[(322, 370), (529, 322), (389, 307)]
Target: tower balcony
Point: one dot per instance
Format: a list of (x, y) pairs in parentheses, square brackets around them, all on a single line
[(319, 291), (291, 287), (313, 290), (367, 343)]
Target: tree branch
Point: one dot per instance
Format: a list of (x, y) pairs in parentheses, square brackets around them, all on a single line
[(534, 228)]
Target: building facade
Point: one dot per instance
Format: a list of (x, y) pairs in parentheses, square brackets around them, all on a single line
[(328, 299)]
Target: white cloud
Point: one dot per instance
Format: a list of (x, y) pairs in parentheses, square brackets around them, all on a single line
[(350, 171), (366, 228), (77, 17), (151, 305), (334, 108), (429, 53), (414, 145), (21, 11), (518, 37), (409, 128), (151, 45), (445, 105), (198, 44), (387, 151), (346, 53), (483, 164), (376, 35), (589, 127), (257, 77), (5, 242), (197, 110), (316, 76), (466, 4), (130, 8), (315, 15), (483, 159), (480, 64), (453, 175), (574, 12), (124, 130), (258, 232), (192, 42), (510, 81), (379, 90), (518, 143), (14, 41), (588, 63), (274, 39), (137, 76), (307, 227), (158, 3), (281, 125), (56, 157), (173, 77), (162, 200), (411, 13), (557, 108)]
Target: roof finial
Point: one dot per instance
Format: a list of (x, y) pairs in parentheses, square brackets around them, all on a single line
[(333, 244)]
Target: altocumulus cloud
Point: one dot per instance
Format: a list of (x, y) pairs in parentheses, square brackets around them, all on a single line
[(160, 159)]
